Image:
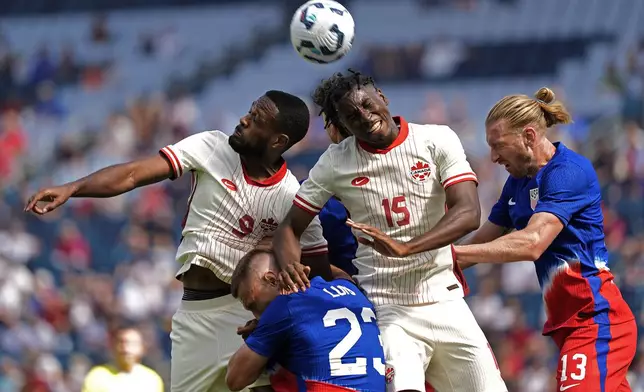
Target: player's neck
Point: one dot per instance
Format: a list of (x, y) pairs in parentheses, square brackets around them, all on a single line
[(393, 135), (261, 169), (125, 367), (543, 154)]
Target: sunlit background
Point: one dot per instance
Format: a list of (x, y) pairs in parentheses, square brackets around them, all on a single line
[(89, 83)]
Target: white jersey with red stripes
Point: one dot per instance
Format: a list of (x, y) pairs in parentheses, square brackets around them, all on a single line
[(401, 191), (229, 213)]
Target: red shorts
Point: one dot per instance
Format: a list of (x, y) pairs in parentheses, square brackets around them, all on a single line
[(595, 358)]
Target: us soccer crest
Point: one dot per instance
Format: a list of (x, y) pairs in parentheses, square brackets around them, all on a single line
[(534, 198), (420, 172)]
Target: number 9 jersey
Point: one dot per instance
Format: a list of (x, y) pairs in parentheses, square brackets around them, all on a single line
[(326, 337)]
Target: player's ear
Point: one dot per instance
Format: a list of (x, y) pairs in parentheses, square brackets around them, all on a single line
[(270, 278), (530, 135), (333, 133), (281, 141)]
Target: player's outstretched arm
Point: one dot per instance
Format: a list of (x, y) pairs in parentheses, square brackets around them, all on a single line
[(488, 232), (107, 182), (286, 245), (522, 245)]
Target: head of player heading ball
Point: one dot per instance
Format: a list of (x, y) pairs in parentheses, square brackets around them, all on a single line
[(322, 31)]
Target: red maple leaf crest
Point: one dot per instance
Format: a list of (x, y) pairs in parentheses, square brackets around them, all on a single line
[(268, 224), (420, 171)]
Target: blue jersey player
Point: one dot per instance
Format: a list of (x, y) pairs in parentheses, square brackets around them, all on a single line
[(552, 199), (326, 337)]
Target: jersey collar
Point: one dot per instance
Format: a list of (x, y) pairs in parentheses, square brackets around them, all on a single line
[(402, 136), (272, 180)]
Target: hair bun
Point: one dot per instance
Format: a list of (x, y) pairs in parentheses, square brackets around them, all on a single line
[(545, 95)]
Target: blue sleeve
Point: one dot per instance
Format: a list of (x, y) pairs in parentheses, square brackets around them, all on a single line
[(273, 329), (564, 191), (500, 213)]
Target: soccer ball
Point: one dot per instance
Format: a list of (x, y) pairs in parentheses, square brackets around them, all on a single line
[(322, 31)]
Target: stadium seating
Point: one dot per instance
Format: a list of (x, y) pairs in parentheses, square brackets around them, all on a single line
[(74, 273)]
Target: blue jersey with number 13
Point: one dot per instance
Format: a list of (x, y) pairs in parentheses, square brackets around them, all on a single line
[(326, 336)]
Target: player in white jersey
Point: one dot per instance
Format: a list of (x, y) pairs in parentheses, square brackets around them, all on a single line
[(400, 178), (241, 191)]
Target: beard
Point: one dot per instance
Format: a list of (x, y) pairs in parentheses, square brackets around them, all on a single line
[(243, 148)]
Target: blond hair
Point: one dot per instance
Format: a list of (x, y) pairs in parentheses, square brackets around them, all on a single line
[(542, 111)]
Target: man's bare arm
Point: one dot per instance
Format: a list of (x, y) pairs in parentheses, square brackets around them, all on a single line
[(486, 233), (108, 182), (286, 245), (462, 217), (522, 245), (244, 368)]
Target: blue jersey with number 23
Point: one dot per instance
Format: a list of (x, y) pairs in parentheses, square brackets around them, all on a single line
[(325, 336)]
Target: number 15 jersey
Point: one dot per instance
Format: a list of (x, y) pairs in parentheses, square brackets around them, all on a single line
[(401, 191)]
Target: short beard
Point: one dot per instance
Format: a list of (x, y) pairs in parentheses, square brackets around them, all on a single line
[(245, 149)]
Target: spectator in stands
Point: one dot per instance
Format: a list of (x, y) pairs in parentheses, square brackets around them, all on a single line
[(68, 71), (100, 32), (43, 67), (126, 371)]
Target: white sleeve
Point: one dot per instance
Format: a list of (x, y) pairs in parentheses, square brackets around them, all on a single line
[(193, 152), (312, 241), (450, 158), (316, 190)]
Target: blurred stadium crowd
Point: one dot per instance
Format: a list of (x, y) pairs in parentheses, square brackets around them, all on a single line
[(67, 279)]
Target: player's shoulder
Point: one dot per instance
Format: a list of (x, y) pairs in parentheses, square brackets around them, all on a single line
[(343, 148), (104, 369), (433, 135), (430, 131), (280, 306), (148, 372), (212, 135), (570, 161)]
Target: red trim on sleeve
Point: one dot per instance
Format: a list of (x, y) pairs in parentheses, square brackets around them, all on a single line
[(460, 178), (305, 205), (316, 250), (316, 253), (174, 161), (402, 136)]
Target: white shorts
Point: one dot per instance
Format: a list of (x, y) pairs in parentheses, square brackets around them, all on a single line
[(204, 337), (439, 343)]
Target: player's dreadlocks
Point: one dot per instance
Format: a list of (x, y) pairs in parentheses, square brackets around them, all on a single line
[(331, 90)]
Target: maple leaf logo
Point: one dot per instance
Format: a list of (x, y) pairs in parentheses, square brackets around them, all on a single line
[(268, 224), (420, 171)]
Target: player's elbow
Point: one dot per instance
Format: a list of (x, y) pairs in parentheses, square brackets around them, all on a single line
[(470, 219), (235, 381), (534, 247)]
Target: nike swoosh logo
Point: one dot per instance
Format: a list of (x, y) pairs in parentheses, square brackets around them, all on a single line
[(511, 202), (562, 388)]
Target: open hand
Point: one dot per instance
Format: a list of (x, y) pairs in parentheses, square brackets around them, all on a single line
[(294, 277), (54, 197), (381, 242), (247, 329)]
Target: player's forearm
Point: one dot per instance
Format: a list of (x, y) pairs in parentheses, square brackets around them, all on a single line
[(244, 368), (517, 246), (237, 378), (486, 233), (456, 223), (118, 179), (107, 182), (286, 244)]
